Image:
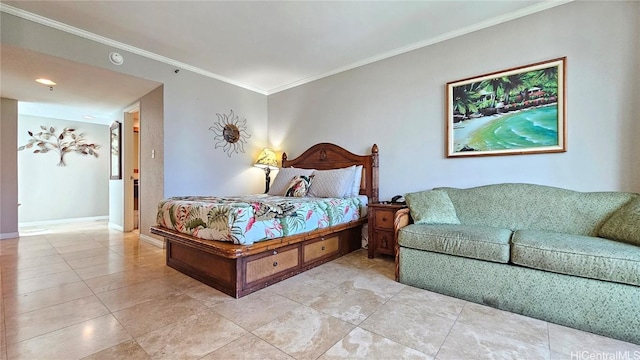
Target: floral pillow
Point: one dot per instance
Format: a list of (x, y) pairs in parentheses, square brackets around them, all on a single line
[(299, 186), (282, 180)]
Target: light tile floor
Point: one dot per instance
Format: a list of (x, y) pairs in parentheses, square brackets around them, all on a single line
[(84, 291)]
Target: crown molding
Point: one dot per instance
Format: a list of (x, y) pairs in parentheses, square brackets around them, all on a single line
[(447, 36), (132, 49), (122, 46)]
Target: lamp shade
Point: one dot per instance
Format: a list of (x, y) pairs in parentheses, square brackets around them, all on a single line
[(267, 159)]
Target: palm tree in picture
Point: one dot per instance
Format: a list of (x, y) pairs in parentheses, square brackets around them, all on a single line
[(494, 85), (550, 86), (513, 83), (548, 80), (465, 98), (549, 74), (531, 79)]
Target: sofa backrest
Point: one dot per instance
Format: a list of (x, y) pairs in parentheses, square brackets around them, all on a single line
[(536, 207)]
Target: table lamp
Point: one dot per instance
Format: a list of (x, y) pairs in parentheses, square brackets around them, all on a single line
[(267, 161)]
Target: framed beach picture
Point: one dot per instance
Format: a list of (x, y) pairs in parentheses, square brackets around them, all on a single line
[(510, 112)]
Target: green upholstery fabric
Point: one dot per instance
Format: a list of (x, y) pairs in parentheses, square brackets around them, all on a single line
[(431, 207), (601, 307), (478, 242), (536, 207), (555, 268), (624, 225), (584, 256)]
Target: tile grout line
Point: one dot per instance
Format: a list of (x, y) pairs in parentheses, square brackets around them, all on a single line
[(173, 324), (205, 298), (109, 312), (548, 338), (112, 314), (64, 302), (406, 346), (435, 357)]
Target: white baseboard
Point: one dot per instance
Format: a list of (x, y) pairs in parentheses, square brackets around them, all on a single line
[(153, 241), (63, 221), (116, 227), (9, 235)]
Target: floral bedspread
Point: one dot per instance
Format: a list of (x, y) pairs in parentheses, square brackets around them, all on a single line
[(248, 219)]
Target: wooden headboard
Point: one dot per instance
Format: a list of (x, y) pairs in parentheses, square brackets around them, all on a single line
[(327, 156)]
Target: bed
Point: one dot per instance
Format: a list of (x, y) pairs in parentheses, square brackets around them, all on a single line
[(243, 259)]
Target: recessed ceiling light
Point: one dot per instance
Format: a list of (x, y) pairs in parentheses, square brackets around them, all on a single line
[(116, 58), (88, 117), (45, 82)]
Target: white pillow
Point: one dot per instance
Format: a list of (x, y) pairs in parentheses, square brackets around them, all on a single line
[(336, 183), (357, 179), (284, 177)]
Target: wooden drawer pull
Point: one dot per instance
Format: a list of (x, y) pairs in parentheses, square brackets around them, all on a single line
[(323, 248), (275, 263), (384, 219)]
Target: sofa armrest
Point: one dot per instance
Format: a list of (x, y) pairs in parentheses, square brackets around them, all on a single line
[(400, 220)]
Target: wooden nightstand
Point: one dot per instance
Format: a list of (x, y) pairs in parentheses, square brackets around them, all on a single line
[(381, 240)]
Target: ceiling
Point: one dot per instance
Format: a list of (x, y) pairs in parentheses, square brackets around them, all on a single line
[(82, 90), (265, 46)]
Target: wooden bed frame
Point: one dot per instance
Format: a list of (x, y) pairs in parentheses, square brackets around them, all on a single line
[(238, 270)]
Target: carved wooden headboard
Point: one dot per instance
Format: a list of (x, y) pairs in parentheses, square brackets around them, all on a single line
[(327, 156)]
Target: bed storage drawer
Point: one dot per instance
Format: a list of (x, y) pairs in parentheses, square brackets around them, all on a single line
[(322, 248), (213, 270), (199, 261), (262, 266), (239, 270)]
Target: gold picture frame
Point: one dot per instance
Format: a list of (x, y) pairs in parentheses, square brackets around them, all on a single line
[(510, 112)]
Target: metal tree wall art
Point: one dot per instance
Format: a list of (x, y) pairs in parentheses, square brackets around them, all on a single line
[(231, 133), (68, 141)]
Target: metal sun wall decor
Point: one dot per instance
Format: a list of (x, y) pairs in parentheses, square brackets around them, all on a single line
[(231, 133), (67, 141)]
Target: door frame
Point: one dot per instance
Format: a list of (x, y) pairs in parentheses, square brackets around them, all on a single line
[(127, 167)]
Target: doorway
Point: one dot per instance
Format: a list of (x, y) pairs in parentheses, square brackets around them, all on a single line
[(136, 171), (131, 165)]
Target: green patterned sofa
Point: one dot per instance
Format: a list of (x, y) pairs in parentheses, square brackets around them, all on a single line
[(567, 257)]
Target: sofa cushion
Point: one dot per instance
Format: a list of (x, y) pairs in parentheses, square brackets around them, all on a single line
[(477, 242), (624, 224), (431, 207), (584, 256), (536, 207)]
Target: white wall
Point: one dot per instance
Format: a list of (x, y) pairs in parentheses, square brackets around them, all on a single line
[(192, 165), (191, 101), (116, 204), (399, 103), (8, 169), (151, 186), (50, 192)]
